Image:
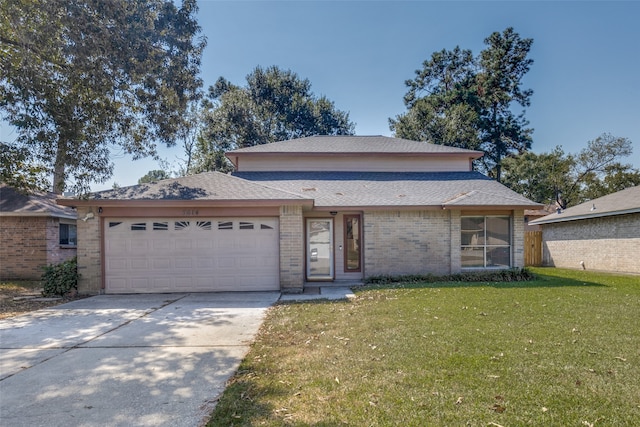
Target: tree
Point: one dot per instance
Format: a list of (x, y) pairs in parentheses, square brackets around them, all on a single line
[(154, 176), (503, 65), (275, 105), (83, 77), (467, 102), (543, 178), (18, 171), (445, 113), (567, 179)]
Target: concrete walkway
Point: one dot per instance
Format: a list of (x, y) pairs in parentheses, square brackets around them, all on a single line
[(134, 360), (320, 292)]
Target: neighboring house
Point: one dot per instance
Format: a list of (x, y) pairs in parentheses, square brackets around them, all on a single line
[(35, 232), (317, 209), (533, 214), (602, 234)]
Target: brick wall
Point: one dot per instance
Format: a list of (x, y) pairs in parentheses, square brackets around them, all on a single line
[(517, 240), (408, 242), (605, 244), (28, 244), (89, 250), (56, 253), (24, 248), (292, 262)]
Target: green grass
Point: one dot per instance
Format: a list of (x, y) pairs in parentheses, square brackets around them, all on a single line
[(562, 350)]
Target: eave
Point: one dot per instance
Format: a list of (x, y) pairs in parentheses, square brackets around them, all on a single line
[(247, 203), (559, 218)]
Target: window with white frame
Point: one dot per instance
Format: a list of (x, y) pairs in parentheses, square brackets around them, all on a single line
[(68, 234), (485, 242)]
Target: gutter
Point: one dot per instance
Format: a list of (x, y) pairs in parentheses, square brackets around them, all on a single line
[(558, 218)]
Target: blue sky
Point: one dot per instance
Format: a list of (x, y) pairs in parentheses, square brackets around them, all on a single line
[(585, 76)]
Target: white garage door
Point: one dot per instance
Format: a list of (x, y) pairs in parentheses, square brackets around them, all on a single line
[(191, 255)]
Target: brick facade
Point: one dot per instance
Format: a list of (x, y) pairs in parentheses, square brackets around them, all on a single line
[(423, 242), (395, 243), (89, 253), (605, 244), (292, 250), (407, 242), (517, 238), (30, 243)]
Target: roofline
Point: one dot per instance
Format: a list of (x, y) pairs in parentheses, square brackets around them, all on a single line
[(414, 207), (558, 218), (38, 214), (480, 207), (185, 203)]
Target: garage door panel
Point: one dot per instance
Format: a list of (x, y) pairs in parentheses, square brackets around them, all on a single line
[(177, 255), (183, 244), (138, 244), (162, 246), (183, 262)]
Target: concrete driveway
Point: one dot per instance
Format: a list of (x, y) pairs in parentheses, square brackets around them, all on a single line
[(134, 360)]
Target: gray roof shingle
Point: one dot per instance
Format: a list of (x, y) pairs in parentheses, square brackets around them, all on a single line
[(354, 144), (204, 186), (619, 203), (15, 203), (362, 189)]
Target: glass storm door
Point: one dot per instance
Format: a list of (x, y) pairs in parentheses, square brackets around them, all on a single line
[(320, 248)]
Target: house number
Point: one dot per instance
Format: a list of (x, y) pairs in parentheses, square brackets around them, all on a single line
[(191, 212)]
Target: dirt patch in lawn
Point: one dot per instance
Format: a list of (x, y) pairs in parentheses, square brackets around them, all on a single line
[(20, 297)]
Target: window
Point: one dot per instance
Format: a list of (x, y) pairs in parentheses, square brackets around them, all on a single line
[(246, 225), (138, 226), (486, 242), (68, 234), (225, 225), (352, 243), (204, 225), (161, 226)]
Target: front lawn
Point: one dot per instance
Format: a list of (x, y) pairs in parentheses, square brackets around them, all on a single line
[(562, 350)]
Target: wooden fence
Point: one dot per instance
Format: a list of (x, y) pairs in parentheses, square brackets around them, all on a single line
[(533, 248)]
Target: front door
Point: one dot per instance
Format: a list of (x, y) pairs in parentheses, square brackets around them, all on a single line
[(320, 249)]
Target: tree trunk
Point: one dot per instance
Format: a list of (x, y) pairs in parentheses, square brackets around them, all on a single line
[(58, 168)]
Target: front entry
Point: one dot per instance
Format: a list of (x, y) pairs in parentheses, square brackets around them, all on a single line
[(320, 249)]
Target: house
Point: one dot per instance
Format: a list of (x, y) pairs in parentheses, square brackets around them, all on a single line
[(601, 234), (316, 209), (35, 232), (531, 215)]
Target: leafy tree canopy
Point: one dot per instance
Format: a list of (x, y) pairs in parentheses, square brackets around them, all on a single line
[(274, 105), (154, 176), (464, 101), (17, 170), (81, 78), (570, 179)]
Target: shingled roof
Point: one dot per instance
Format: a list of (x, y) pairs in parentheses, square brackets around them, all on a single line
[(353, 144), (15, 203), (204, 187), (622, 202), (393, 189)]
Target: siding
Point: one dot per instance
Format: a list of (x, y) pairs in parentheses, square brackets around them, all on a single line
[(606, 244), (362, 163)]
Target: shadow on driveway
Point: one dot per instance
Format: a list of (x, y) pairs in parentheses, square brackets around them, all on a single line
[(134, 360)]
